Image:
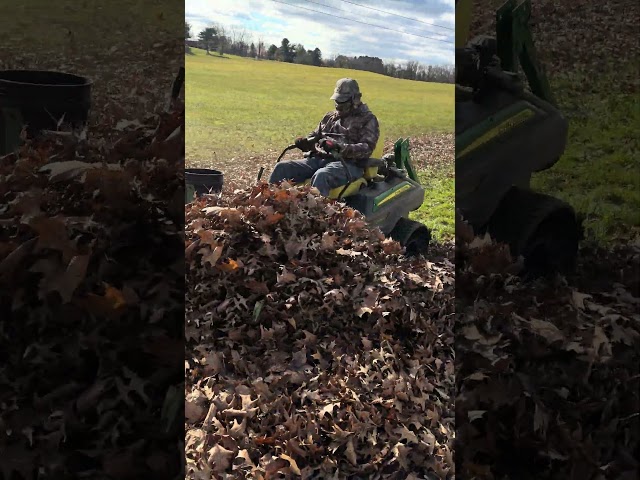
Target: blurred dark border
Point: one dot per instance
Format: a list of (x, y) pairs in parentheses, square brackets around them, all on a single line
[(91, 241), (548, 368)]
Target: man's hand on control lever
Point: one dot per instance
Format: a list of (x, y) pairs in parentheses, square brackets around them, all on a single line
[(305, 144), (329, 145)]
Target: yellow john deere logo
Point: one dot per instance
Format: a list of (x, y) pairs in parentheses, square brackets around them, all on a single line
[(499, 130), (395, 194)]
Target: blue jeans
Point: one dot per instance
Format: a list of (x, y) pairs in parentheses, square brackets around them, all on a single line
[(324, 175)]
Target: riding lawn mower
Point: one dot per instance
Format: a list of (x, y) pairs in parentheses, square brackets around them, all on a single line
[(504, 134)]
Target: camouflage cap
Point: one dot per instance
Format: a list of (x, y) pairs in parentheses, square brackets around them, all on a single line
[(346, 88)]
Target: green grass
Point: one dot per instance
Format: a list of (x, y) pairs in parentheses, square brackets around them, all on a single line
[(598, 174), (238, 106), (438, 210)]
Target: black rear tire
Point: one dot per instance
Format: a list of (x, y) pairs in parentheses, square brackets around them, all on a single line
[(412, 235), (541, 228)]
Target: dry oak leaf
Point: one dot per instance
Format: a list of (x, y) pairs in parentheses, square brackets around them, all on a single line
[(406, 434), (577, 299), (274, 467), (73, 276), (67, 281), (547, 330), (286, 276), (475, 414), (212, 363), (220, 458), (115, 296), (64, 171), (207, 237), (229, 265), (328, 241), (11, 261), (52, 234), (350, 452), (349, 253), (194, 409), (211, 256), (226, 213), (293, 466), (112, 302), (273, 218), (244, 455)]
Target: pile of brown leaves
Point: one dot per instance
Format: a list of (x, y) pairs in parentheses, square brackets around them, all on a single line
[(547, 375), (86, 266), (314, 348), (91, 245)]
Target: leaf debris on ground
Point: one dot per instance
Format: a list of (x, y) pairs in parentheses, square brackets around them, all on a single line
[(547, 371)]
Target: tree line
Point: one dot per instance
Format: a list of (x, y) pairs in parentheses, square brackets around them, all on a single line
[(220, 40)]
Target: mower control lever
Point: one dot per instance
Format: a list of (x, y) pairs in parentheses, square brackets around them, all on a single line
[(290, 147)]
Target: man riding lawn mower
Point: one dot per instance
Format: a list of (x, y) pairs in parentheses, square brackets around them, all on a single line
[(338, 163), (357, 128)]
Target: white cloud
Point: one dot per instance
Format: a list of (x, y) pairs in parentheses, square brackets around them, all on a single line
[(273, 21)]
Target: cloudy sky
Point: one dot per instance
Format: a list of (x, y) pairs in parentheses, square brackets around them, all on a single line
[(340, 32)]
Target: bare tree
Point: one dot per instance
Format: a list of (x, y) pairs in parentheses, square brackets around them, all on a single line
[(411, 68), (222, 39), (239, 41), (243, 45), (261, 51)]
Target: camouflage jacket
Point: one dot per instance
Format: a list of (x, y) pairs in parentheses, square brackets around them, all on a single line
[(358, 133)]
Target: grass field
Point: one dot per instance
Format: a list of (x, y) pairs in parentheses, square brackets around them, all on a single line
[(237, 106), (598, 174), (437, 211), (241, 112)]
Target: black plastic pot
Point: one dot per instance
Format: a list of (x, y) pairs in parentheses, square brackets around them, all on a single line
[(40, 100), (204, 180)]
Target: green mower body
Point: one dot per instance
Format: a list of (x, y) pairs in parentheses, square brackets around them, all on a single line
[(391, 191), (385, 202), (386, 195), (500, 142)]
